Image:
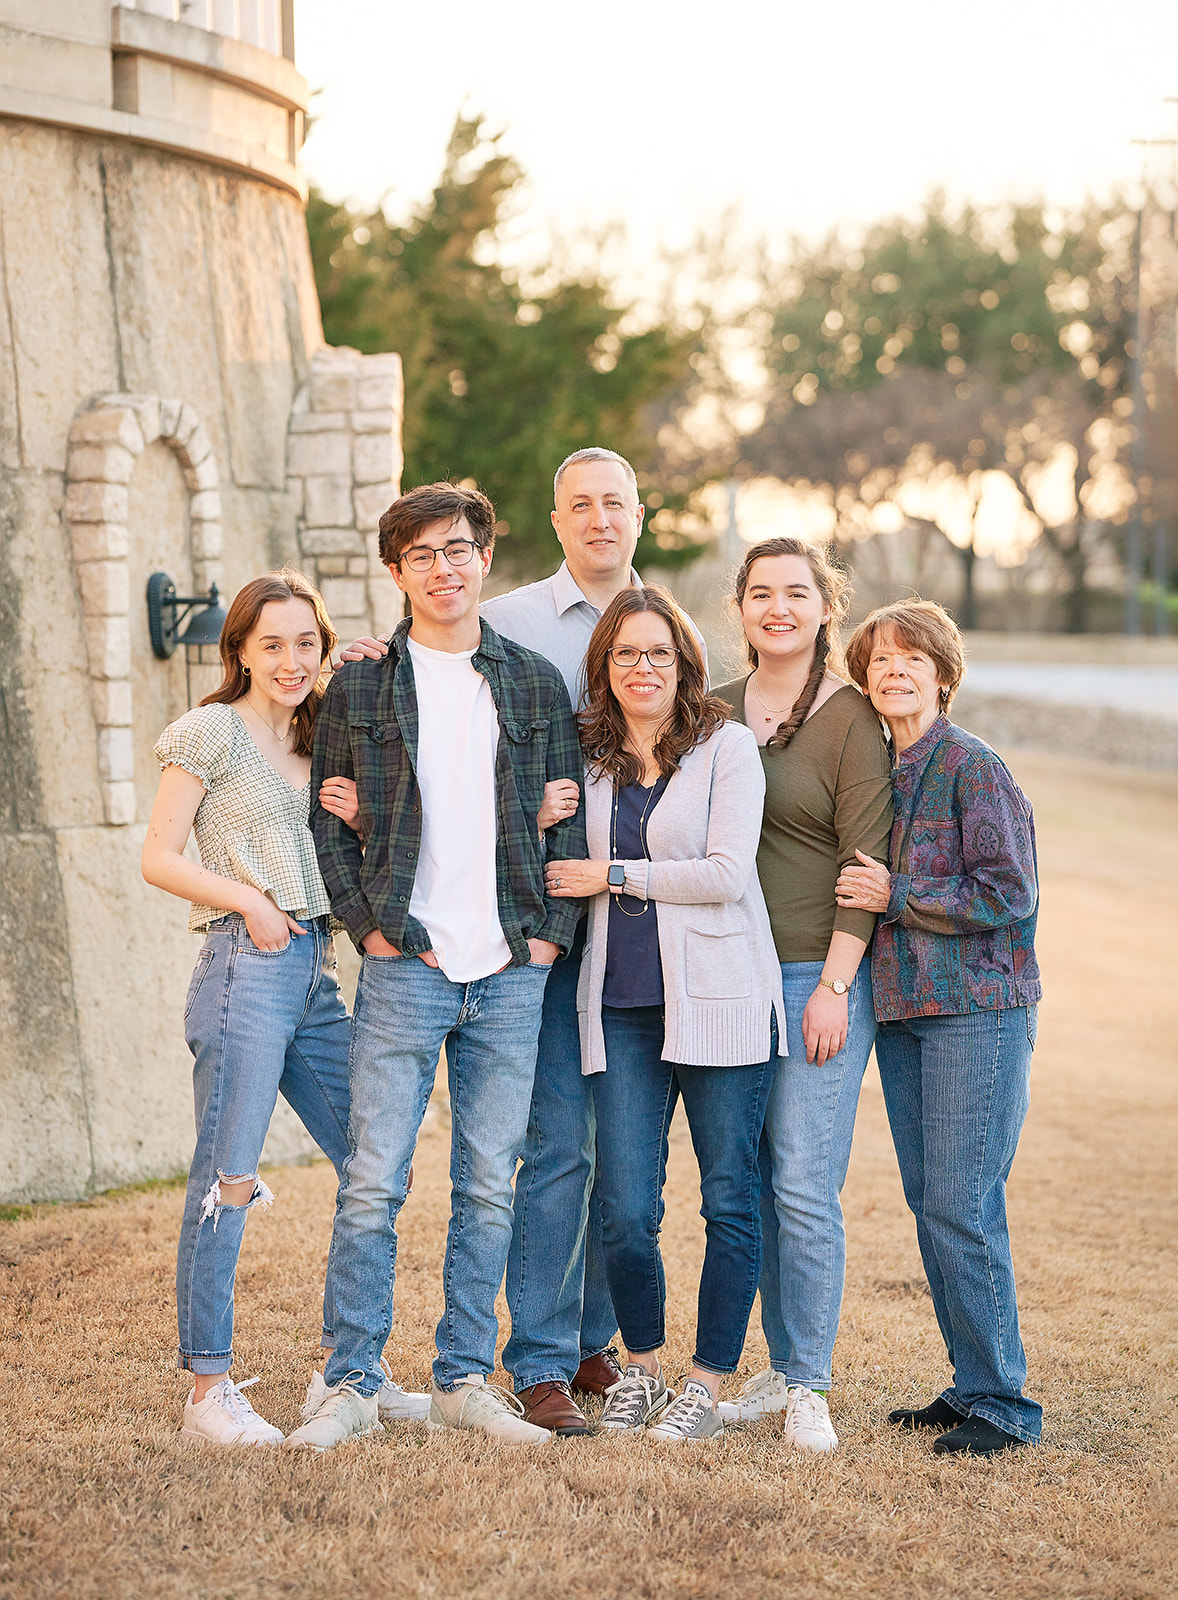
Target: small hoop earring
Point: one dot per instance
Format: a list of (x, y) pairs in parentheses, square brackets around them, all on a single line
[(246, 670)]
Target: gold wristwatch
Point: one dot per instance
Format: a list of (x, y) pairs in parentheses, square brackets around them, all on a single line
[(836, 984)]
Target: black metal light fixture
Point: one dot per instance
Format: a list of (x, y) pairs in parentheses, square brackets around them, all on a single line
[(166, 610)]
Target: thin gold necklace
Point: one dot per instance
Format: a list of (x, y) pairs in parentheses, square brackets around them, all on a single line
[(769, 710), (613, 845), (261, 721)]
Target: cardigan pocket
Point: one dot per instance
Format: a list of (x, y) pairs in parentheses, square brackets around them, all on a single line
[(718, 965)]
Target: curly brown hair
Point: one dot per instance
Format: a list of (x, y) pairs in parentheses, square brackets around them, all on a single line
[(831, 583), (241, 622), (697, 713)]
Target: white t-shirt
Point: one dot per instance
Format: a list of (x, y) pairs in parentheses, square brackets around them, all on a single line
[(455, 888)]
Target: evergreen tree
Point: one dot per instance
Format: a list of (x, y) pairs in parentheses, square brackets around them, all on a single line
[(500, 383)]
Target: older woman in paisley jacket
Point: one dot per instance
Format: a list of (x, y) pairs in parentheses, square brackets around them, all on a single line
[(956, 986)]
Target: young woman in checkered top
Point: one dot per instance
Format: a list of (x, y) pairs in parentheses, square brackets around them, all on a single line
[(263, 1015)]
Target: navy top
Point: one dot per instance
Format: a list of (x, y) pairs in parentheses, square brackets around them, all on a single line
[(633, 968)]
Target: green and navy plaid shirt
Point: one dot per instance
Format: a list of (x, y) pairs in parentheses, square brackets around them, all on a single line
[(367, 730)]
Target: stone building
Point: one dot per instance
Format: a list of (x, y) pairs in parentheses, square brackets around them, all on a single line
[(167, 403)]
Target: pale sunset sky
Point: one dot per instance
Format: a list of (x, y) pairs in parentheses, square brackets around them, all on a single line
[(664, 115)]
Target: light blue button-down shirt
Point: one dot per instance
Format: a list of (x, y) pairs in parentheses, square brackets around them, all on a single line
[(554, 618)]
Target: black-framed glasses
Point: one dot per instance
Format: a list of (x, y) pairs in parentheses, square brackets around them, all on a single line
[(627, 655), (458, 553)]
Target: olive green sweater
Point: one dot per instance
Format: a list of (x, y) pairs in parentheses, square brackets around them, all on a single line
[(828, 793)]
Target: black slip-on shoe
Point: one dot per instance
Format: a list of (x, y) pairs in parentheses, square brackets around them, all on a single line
[(976, 1437), (940, 1415)]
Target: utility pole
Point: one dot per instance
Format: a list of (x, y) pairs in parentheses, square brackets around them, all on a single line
[(1147, 326)]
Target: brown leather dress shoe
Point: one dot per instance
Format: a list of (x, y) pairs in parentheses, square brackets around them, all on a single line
[(598, 1373), (550, 1405)]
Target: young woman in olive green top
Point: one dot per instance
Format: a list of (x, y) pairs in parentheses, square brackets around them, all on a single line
[(828, 792)]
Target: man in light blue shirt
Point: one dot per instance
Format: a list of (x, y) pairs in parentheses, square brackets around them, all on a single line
[(562, 1318)]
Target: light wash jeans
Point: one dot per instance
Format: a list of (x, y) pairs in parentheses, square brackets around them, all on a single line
[(561, 1311), (405, 1012), (957, 1089), (805, 1151), (259, 1023), (725, 1107)]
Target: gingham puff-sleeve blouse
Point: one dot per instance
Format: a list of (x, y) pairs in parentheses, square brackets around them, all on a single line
[(251, 826)]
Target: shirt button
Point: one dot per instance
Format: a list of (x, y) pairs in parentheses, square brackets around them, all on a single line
[(401, 898)]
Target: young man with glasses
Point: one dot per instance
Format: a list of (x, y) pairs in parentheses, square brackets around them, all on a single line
[(562, 1317), (450, 740)]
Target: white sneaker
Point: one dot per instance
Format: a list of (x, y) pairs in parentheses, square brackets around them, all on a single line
[(482, 1408), (690, 1415), (807, 1422), (393, 1404), (340, 1413), (768, 1391), (225, 1416)]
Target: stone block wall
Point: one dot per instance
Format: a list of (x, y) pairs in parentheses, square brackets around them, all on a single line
[(343, 469), (161, 352)]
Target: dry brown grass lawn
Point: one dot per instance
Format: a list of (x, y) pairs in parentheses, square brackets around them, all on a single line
[(99, 1498)]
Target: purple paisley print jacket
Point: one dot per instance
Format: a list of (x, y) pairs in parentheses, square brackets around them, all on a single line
[(959, 931)]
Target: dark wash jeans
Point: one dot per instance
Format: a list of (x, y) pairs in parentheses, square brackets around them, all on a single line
[(957, 1090), (635, 1098)]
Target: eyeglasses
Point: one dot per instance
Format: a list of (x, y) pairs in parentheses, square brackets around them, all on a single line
[(458, 553), (661, 657)]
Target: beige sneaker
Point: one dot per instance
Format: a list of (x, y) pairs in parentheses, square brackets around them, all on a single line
[(482, 1408), (340, 1413), (393, 1404)]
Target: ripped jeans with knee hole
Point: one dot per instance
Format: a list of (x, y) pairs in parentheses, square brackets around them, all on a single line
[(259, 1024)]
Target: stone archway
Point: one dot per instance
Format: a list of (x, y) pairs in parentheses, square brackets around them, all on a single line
[(108, 434)]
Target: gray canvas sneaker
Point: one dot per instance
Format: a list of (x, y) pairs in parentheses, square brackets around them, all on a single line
[(691, 1415), (633, 1400)]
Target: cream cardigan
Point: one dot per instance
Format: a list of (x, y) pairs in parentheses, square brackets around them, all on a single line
[(721, 978)]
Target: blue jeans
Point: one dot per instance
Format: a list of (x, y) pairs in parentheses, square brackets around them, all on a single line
[(635, 1098), (805, 1151), (957, 1090), (561, 1311), (405, 1012), (259, 1023)]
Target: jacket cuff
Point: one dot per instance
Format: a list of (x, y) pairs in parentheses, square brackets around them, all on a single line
[(898, 899)]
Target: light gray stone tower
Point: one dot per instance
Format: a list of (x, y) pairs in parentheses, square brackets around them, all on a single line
[(166, 403)]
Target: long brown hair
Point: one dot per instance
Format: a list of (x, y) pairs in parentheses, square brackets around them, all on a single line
[(835, 591), (241, 622), (696, 716)]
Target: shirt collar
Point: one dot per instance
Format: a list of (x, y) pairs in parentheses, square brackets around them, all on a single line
[(490, 644), (567, 593), (924, 746)]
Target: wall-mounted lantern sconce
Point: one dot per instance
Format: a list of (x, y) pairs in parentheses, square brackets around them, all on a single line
[(166, 610)]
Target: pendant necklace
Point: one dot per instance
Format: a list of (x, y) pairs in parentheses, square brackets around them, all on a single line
[(768, 710), (613, 844)]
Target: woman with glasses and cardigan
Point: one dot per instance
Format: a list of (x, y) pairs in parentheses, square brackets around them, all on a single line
[(679, 995)]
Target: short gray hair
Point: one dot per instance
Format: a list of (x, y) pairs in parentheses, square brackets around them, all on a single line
[(594, 453)]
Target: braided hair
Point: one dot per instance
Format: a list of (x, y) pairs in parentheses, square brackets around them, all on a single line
[(831, 583)]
